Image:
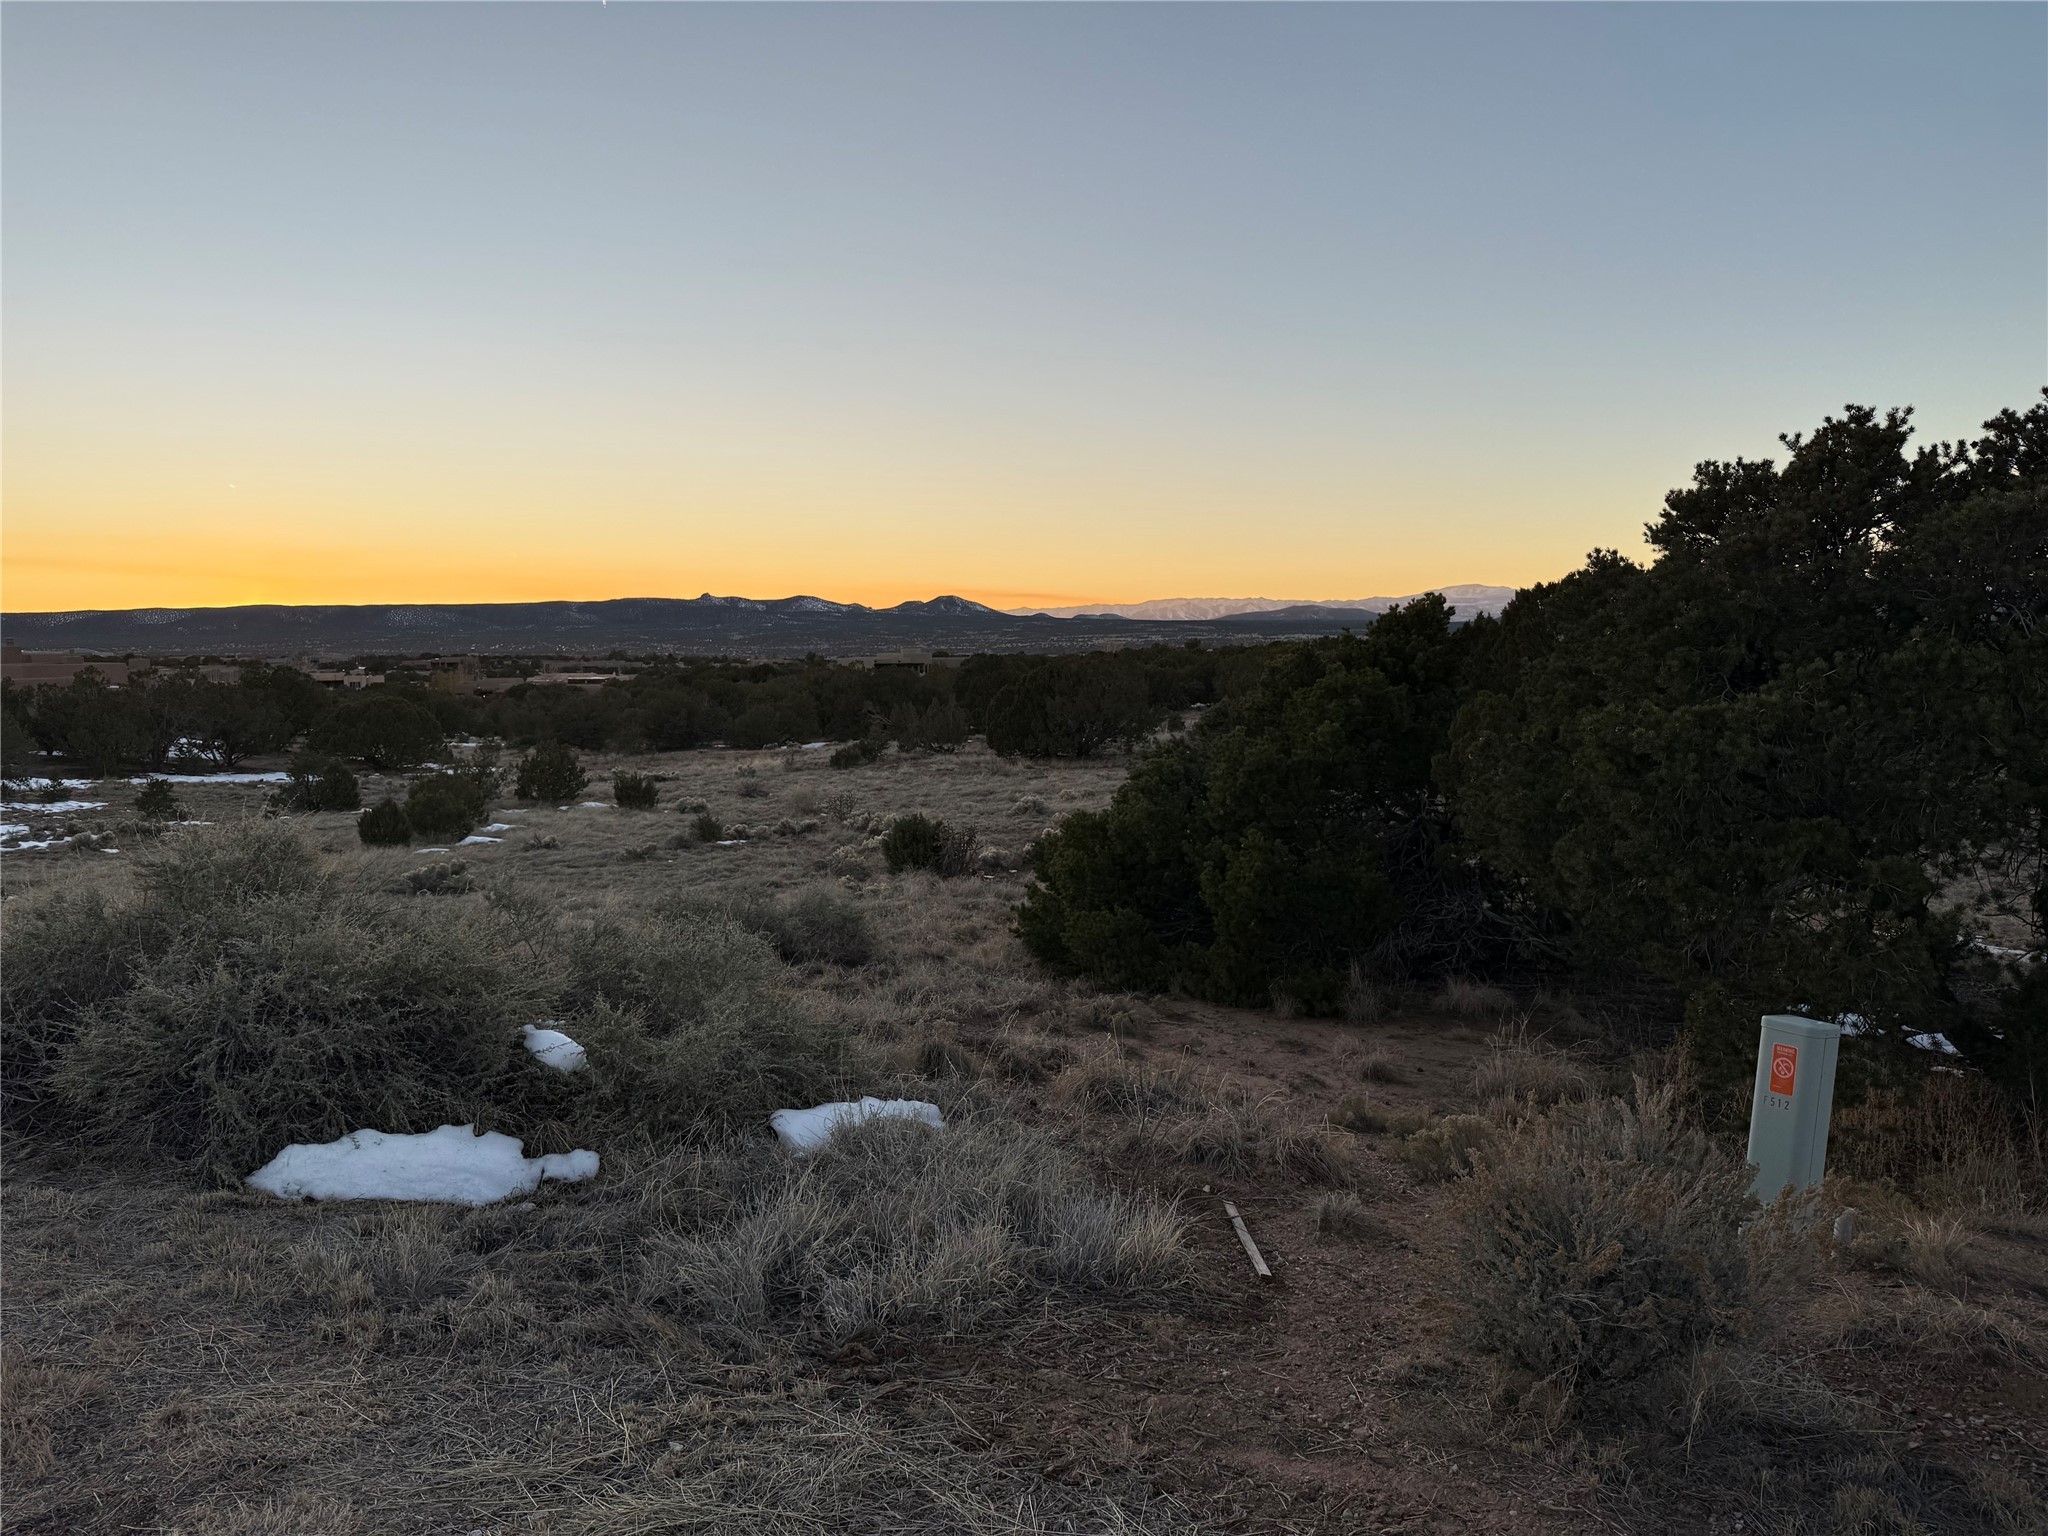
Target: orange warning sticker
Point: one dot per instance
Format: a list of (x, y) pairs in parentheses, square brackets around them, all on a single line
[(1784, 1067)]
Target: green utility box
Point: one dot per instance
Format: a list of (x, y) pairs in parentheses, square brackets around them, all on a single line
[(1795, 1094)]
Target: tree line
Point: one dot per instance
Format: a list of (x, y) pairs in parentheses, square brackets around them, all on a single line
[(1765, 771), (1067, 706)]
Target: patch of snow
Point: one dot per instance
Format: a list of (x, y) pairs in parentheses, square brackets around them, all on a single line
[(728, 842), (174, 778), (554, 1048), (1934, 1042), (500, 826), (591, 805), (15, 829), (54, 842), (430, 850), (452, 1164), (1853, 1024), (815, 746), (473, 838), (805, 1130), (2002, 951), (55, 807)]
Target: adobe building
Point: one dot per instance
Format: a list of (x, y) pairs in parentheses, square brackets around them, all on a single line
[(60, 667)]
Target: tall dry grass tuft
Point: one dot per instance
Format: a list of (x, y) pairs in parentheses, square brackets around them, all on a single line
[(893, 1227)]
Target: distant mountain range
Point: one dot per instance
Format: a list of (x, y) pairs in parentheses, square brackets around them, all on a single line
[(1466, 602), (707, 625)]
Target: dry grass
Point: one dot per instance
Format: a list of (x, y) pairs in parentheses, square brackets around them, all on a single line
[(1936, 1327), (1472, 1000), (1378, 1067), (1518, 1075), (1343, 1216)]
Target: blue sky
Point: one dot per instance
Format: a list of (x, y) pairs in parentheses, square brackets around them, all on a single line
[(383, 302)]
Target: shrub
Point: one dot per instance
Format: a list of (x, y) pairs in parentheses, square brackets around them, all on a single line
[(384, 825), (708, 828), (749, 784), (450, 804), (814, 926), (258, 1002), (634, 791), (924, 842), (1294, 830), (1446, 1148), (551, 771), (319, 784), (448, 878), (64, 957), (856, 754), (158, 802), (849, 862), (383, 730), (1602, 1251), (894, 1226)]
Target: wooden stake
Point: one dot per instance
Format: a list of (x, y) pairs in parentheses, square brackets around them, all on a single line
[(1244, 1236)]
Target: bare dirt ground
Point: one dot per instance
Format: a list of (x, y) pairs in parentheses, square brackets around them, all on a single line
[(156, 1382)]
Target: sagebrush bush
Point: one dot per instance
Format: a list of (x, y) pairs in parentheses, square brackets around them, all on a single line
[(1443, 1149), (1602, 1250), (247, 998), (815, 926), (856, 754), (707, 827), (894, 1226), (551, 771), (690, 1028), (451, 877), (925, 842), (384, 825), (259, 1001), (635, 791)]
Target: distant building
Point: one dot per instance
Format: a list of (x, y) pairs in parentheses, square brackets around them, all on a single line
[(345, 678), (60, 667), (455, 674), (465, 674), (919, 662)]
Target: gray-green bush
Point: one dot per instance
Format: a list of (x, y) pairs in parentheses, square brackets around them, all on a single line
[(1603, 1250), (256, 1000), (815, 926)]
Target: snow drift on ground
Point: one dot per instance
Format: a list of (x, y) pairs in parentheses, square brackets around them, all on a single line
[(452, 1164), (55, 807), (554, 1048), (500, 826), (805, 1130), (475, 838)]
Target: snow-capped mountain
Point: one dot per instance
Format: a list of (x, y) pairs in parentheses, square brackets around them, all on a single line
[(1466, 602)]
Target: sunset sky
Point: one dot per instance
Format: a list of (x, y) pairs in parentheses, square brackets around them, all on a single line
[(375, 303)]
